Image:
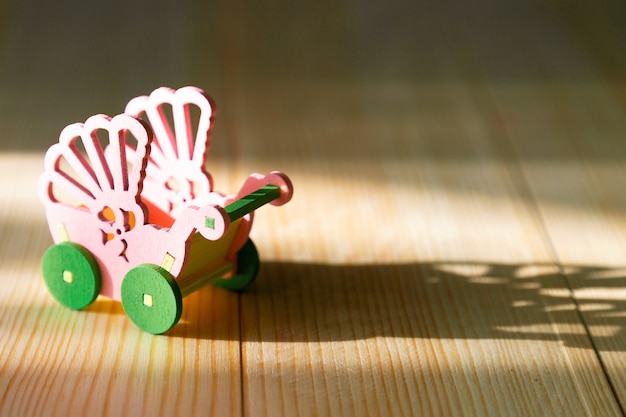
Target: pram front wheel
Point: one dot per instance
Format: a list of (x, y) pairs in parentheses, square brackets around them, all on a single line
[(151, 298), (71, 274), (247, 269)]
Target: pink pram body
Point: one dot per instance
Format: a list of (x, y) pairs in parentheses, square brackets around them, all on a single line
[(133, 190)]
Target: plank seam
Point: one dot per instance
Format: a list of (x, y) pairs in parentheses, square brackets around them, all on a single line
[(525, 190)]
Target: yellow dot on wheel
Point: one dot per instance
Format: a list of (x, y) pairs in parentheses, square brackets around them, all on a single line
[(68, 277), (147, 300)]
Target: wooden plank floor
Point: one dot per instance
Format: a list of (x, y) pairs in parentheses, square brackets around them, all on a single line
[(456, 244)]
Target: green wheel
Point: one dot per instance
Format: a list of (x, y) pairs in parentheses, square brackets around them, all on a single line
[(151, 298), (247, 269), (71, 274)]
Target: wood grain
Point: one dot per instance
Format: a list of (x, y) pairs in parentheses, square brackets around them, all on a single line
[(455, 242), (569, 134), (460, 322), (583, 205)]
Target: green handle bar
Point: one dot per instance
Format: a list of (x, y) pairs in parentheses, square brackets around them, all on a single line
[(237, 209)]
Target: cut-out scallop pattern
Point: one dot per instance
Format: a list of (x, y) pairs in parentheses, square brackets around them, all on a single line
[(81, 176), (176, 172)]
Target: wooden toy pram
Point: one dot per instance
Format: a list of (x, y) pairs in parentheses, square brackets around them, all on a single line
[(135, 218)]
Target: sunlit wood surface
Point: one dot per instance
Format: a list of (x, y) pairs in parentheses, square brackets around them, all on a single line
[(456, 245)]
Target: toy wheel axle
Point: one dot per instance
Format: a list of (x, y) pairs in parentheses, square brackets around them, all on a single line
[(247, 269)]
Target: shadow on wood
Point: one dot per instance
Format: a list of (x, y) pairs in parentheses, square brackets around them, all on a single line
[(459, 300)]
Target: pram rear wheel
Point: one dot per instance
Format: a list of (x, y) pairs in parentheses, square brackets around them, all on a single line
[(247, 269), (151, 298), (71, 274)]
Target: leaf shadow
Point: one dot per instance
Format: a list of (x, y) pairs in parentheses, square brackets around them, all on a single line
[(294, 302)]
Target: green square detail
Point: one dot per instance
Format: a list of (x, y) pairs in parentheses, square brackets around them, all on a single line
[(209, 222)]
